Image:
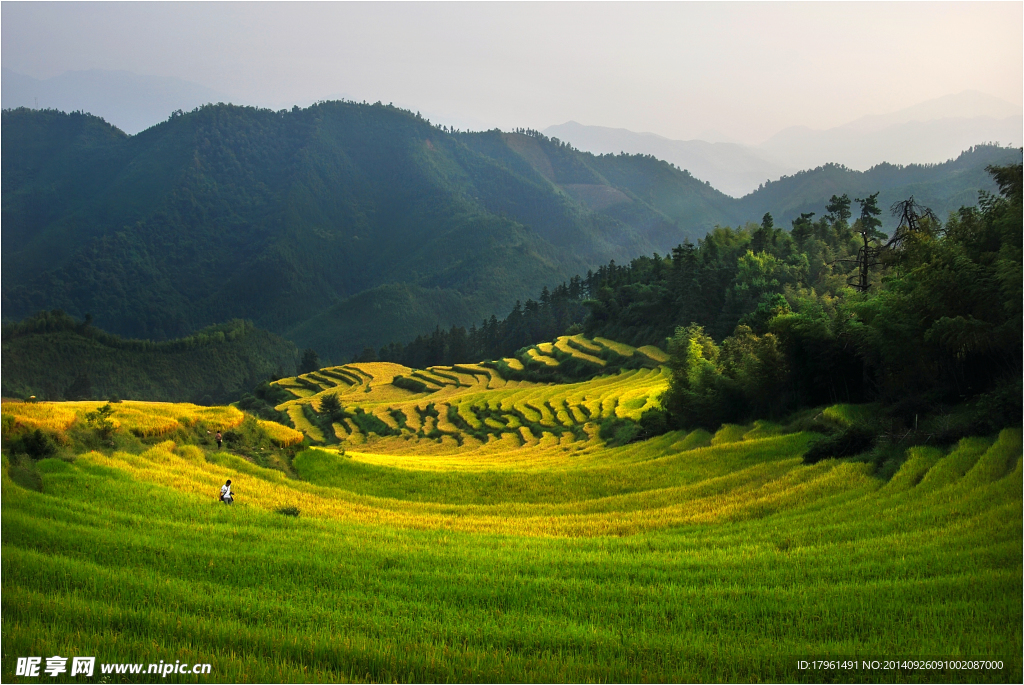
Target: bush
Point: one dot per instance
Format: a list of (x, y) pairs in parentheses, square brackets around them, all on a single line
[(330, 405), (410, 384), (851, 441), (288, 511), (100, 420), (37, 444), (616, 431)]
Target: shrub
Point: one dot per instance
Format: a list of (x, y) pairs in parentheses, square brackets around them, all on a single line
[(37, 444), (617, 431), (330, 405), (851, 441), (100, 420), (410, 384), (288, 511)]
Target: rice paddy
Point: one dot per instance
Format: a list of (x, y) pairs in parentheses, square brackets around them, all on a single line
[(479, 529), (449, 406), (144, 419)]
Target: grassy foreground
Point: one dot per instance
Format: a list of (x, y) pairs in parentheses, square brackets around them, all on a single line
[(554, 558)]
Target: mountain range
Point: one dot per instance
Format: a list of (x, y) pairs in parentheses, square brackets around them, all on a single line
[(928, 132), (343, 225)]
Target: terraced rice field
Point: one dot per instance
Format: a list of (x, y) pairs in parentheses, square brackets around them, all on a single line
[(487, 533), (473, 402)]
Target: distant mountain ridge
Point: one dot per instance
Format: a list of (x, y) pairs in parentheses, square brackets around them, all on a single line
[(929, 132), (346, 225), (730, 167), (132, 102)]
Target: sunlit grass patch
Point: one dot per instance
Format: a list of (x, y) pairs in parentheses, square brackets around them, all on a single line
[(729, 433), (540, 358), (280, 434), (616, 347), (49, 415), (299, 420), (654, 353), (562, 345)]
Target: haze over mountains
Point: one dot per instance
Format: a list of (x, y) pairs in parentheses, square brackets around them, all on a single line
[(924, 133), (131, 102), (929, 132), (344, 225)]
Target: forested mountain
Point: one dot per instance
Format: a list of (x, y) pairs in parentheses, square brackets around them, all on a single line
[(762, 321), (279, 217), (944, 188), (345, 225), (55, 357)]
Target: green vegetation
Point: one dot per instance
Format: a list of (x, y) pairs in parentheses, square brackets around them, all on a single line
[(928, 322), (565, 398), (666, 559), (53, 357), (333, 225), (580, 508)]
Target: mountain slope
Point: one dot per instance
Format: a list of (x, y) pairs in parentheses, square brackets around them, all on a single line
[(277, 216), (322, 223), (942, 187), (928, 132)]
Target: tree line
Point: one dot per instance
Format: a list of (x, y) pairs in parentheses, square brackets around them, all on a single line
[(760, 321)]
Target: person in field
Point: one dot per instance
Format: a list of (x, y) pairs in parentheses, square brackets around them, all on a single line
[(220, 439), (225, 493)]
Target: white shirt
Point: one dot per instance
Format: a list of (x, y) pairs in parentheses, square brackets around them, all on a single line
[(225, 490)]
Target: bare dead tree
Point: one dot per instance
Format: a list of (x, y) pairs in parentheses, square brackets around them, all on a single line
[(873, 250), (910, 214)]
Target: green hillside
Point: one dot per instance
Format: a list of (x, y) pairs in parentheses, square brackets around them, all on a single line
[(52, 356), (313, 222), (276, 217), (942, 187), (527, 548)]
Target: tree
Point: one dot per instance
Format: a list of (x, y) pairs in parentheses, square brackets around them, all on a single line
[(100, 420), (803, 227), (764, 235), (867, 228), (838, 209), (367, 355), (913, 219), (310, 361), (330, 405)]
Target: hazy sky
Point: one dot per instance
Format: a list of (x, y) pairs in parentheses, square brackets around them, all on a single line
[(678, 69)]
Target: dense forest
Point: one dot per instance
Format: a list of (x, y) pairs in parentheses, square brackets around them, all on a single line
[(334, 225), (760, 321), (54, 357)]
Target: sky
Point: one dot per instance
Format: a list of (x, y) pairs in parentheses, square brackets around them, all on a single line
[(735, 70)]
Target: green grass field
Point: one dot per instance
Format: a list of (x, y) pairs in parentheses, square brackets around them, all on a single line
[(542, 556)]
